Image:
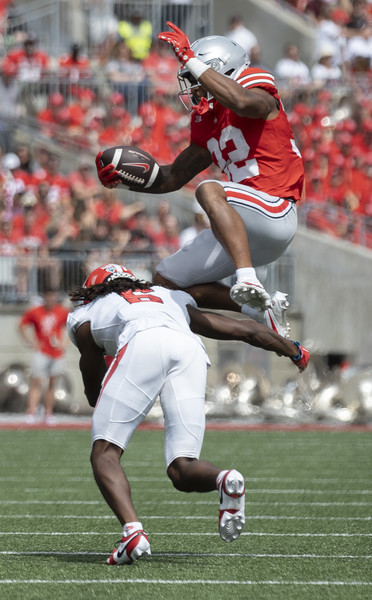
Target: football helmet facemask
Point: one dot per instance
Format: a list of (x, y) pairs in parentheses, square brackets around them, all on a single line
[(107, 273), (221, 54)]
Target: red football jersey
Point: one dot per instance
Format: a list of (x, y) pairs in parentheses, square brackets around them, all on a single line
[(49, 325), (254, 152)]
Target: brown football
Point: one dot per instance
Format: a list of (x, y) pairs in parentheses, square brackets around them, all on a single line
[(137, 168)]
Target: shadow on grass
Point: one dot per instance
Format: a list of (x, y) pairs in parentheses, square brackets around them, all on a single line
[(158, 557)]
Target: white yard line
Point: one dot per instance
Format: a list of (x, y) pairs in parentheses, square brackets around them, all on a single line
[(249, 491), (182, 502), (195, 533), (187, 518), (193, 554), (183, 582)]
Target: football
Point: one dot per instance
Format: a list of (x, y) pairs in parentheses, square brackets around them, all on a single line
[(137, 168)]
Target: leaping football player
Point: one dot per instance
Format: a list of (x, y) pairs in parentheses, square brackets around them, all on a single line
[(237, 122)]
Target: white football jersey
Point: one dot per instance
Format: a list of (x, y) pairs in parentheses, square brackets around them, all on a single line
[(115, 319)]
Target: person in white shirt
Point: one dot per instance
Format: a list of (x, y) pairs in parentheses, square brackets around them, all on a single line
[(359, 50), (151, 333), (241, 34), (325, 71), (290, 69)]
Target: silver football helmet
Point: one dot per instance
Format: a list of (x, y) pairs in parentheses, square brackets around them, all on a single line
[(221, 53)]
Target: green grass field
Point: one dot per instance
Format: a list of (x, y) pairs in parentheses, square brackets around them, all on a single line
[(308, 532)]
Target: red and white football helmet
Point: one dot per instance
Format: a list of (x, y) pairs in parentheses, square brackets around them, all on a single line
[(107, 273)]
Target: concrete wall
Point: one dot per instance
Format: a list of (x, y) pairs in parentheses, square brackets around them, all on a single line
[(334, 291)]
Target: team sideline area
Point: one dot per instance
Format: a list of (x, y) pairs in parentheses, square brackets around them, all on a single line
[(307, 534)]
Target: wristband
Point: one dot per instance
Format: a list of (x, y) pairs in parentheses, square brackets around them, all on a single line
[(196, 67)]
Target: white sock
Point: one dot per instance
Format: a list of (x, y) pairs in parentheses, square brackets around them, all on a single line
[(220, 477), (246, 274), (131, 527)]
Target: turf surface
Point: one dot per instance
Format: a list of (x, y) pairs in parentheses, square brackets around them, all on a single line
[(308, 532)]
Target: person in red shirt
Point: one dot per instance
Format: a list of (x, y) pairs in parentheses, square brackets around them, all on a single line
[(31, 62), (117, 129), (74, 65), (83, 183), (59, 183), (161, 67), (52, 116), (42, 328), (108, 206)]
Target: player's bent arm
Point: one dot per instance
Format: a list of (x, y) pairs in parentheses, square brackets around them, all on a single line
[(220, 327), (254, 103), (185, 167), (92, 363)]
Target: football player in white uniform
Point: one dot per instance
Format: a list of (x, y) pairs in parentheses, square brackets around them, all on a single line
[(239, 123), (151, 333)]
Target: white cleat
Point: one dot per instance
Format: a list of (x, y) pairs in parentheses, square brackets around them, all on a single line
[(132, 547), (232, 505), (250, 293), (275, 317)]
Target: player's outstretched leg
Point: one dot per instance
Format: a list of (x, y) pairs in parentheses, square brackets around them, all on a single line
[(231, 488)]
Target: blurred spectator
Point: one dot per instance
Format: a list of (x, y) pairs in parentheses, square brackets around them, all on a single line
[(325, 72), (75, 65), (12, 162), (116, 128), (290, 70), (83, 181), (199, 223), (167, 240), (12, 24), (255, 60), (82, 110), (127, 75), (359, 17), (63, 234), (158, 120), (142, 234), (359, 50), (41, 167), (137, 34), (101, 232), (53, 115), (161, 66), (238, 32), (59, 183), (31, 63), (108, 206), (102, 25), (27, 162), (42, 328), (330, 32), (28, 233), (12, 187), (10, 104), (42, 207)]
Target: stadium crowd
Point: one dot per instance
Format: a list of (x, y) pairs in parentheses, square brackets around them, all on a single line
[(127, 94)]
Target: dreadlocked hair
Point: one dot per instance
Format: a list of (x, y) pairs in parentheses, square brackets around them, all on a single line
[(83, 295)]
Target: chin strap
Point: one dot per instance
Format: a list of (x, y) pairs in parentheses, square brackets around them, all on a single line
[(202, 107)]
